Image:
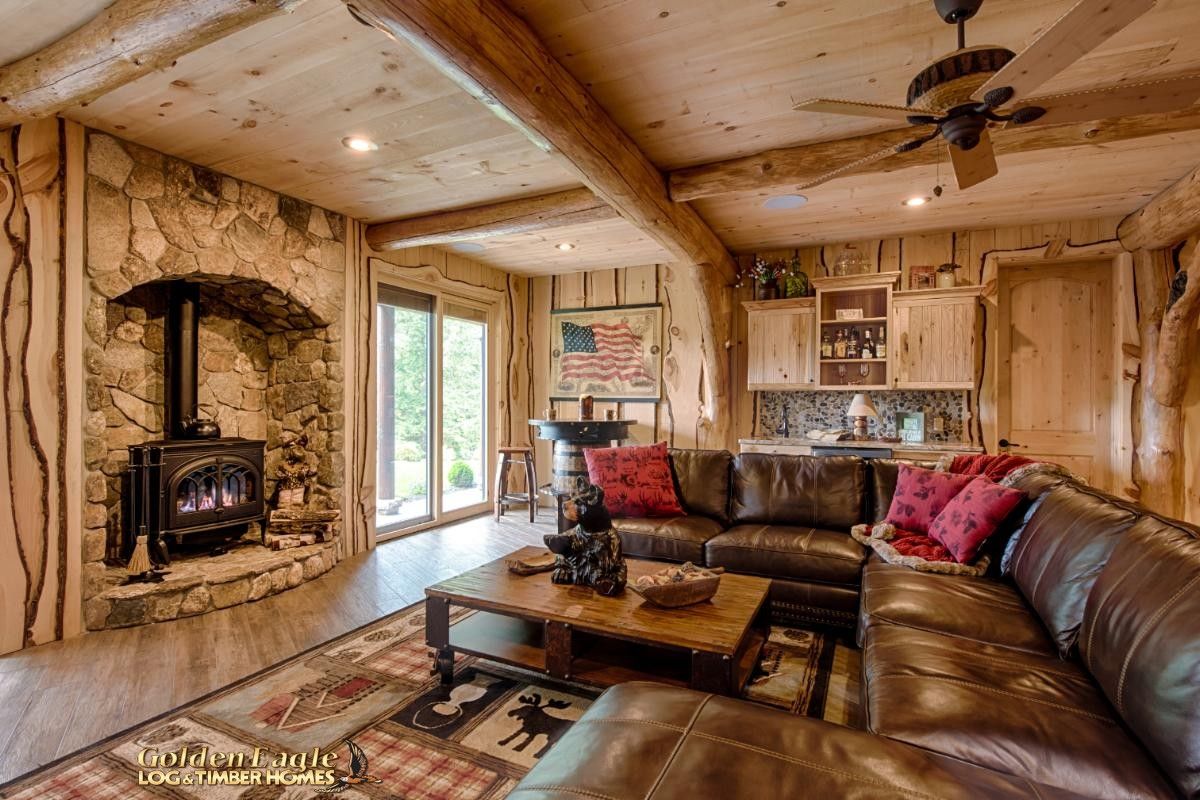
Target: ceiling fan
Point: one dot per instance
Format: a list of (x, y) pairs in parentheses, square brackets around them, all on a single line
[(959, 95)]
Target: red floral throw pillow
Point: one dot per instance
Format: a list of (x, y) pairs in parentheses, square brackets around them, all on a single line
[(920, 496), (972, 516), (636, 480)]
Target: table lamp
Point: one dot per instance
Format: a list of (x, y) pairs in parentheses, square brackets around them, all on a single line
[(861, 407)]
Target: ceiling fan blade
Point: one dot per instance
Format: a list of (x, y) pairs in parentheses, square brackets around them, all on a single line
[(855, 109), (1122, 100), (871, 158), (1087, 25), (975, 165)]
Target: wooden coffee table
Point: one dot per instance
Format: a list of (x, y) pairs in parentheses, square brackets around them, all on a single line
[(572, 633)]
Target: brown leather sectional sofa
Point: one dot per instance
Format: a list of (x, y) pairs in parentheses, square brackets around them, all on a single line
[(1076, 676)]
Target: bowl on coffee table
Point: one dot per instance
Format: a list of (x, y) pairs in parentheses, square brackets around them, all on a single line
[(678, 586)]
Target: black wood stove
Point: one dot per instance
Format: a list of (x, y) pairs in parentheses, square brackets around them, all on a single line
[(193, 481)]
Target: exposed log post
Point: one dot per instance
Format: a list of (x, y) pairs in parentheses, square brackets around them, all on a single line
[(792, 166), (1176, 356), (495, 56), (125, 41), (572, 207), (1168, 218)]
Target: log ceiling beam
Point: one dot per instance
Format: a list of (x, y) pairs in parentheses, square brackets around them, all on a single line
[(497, 58), (128, 39), (556, 210), (795, 166), (1168, 218)]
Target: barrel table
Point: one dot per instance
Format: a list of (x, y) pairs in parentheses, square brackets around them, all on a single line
[(570, 437)]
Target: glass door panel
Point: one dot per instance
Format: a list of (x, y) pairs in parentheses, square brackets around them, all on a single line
[(464, 403), (405, 467)]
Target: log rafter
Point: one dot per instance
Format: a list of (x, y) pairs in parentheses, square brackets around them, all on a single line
[(1166, 219), (494, 55), (555, 210), (125, 41)]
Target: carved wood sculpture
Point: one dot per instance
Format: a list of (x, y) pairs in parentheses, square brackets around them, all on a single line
[(495, 56), (1168, 334), (128, 39)]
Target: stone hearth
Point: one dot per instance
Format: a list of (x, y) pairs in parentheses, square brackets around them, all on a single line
[(271, 269)]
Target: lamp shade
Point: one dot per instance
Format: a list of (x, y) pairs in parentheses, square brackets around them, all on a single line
[(861, 406)]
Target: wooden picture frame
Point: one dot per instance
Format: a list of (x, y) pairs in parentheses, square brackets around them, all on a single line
[(613, 353), (922, 276)]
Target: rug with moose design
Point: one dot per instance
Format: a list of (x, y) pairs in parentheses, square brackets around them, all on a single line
[(370, 699)]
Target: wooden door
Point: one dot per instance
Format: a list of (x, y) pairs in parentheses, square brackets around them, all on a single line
[(934, 338), (1055, 384), (781, 351)]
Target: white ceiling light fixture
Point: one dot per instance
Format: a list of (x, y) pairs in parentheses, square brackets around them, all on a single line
[(467, 247), (359, 144), (566, 247), (785, 201), (915, 202)]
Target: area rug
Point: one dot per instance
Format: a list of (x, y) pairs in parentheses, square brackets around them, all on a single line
[(369, 699)]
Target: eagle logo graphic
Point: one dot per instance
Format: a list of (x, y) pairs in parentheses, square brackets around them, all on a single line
[(358, 772)]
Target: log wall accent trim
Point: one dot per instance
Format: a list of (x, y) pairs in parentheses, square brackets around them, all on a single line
[(125, 41), (359, 498), (1176, 358), (555, 210), (790, 166), (40, 508), (1168, 218), (495, 56)]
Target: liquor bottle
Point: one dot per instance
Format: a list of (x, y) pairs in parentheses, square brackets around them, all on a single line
[(839, 344), (881, 344), (852, 350), (826, 345), (868, 348)]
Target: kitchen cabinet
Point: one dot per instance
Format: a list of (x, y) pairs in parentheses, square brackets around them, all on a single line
[(781, 344), (934, 343)]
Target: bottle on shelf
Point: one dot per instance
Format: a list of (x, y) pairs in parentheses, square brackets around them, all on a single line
[(839, 344), (881, 344), (852, 348), (868, 346), (826, 345)]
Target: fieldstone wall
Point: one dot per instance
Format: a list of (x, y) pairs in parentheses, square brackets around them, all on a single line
[(272, 274)]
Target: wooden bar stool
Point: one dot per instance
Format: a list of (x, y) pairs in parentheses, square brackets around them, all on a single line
[(504, 459)]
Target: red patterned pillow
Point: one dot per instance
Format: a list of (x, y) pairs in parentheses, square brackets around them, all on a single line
[(636, 480), (972, 516), (920, 496)]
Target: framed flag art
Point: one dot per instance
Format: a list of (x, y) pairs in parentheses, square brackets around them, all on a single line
[(611, 353)]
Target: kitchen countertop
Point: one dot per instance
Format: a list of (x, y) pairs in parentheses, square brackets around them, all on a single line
[(799, 441)]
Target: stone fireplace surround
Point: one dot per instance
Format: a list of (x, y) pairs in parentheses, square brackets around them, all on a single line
[(271, 270)]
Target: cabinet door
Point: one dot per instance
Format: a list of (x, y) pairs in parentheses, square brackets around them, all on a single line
[(933, 343), (781, 349)]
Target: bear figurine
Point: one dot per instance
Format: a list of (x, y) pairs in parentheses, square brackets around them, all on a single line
[(590, 553)]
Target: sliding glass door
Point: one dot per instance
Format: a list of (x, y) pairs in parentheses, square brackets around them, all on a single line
[(433, 409)]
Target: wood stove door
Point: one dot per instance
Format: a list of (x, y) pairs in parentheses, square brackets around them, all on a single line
[(213, 491)]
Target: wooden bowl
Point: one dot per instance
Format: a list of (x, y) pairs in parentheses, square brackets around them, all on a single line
[(680, 593)]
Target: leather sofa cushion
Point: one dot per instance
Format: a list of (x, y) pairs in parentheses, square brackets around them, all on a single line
[(1059, 552), (787, 551), (798, 490), (979, 609), (1141, 640), (1027, 715), (667, 538), (641, 740), (881, 482), (702, 478)]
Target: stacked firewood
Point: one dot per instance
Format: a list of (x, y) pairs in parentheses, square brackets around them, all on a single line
[(295, 527)]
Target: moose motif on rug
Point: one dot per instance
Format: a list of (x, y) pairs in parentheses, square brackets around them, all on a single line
[(535, 721)]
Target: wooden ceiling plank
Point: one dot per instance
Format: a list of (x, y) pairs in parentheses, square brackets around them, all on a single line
[(794, 166), (127, 40), (1167, 219), (557, 210)]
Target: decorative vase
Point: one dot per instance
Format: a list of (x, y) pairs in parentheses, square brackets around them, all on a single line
[(797, 285), (768, 290)]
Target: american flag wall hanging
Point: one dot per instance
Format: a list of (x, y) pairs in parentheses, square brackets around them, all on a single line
[(611, 353)]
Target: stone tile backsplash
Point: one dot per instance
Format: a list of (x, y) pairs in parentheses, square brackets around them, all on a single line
[(825, 410)]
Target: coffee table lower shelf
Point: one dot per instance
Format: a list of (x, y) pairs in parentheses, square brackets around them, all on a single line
[(561, 651)]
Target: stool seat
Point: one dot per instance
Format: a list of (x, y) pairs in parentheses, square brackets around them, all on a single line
[(504, 458)]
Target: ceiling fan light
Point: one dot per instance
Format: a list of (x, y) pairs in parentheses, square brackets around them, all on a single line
[(1027, 114), (998, 96)]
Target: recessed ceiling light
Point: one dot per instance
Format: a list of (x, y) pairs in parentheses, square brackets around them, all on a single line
[(359, 144), (566, 247), (467, 247), (785, 201), (913, 202)]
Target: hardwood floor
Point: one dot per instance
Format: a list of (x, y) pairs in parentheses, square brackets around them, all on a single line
[(59, 697)]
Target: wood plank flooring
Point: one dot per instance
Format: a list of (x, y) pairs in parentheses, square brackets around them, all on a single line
[(59, 697)]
